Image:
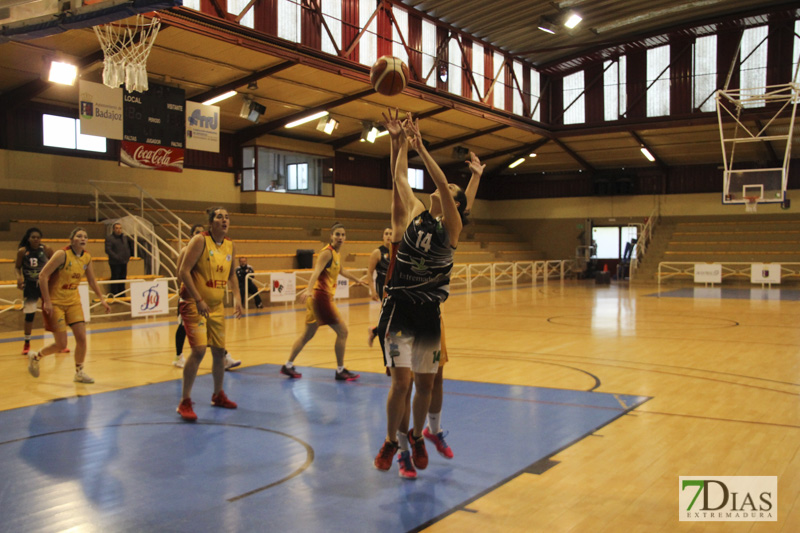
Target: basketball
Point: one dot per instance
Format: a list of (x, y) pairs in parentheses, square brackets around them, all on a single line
[(389, 75)]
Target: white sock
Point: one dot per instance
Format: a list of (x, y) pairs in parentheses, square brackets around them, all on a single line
[(27, 338), (289, 364), (339, 369), (402, 439), (434, 423)]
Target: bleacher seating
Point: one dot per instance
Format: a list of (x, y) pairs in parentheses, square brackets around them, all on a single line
[(742, 238)]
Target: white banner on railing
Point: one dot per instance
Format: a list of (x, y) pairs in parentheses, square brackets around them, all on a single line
[(765, 273), (342, 287), (707, 273), (83, 292), (283, 287), (149, 298)]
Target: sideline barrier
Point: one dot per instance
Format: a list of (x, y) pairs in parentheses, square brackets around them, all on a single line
[(95, 308), (462, 275), (730, 270)]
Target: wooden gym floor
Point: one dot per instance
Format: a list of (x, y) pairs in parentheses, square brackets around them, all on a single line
[(702, 384)]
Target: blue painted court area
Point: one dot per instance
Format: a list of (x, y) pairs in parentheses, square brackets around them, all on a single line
[(296, 455), (733, 294)]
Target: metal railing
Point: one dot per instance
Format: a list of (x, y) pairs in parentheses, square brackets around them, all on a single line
[(683, 270), (149, 209), (643, 241), (470, 275)]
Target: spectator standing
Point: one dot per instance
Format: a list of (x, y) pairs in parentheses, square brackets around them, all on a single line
[(119, 249)]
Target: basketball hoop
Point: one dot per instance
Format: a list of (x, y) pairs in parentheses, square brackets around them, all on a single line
[(750, 204), (126, 48)]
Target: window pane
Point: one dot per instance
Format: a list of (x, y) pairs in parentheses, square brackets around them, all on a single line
[(517, 99), (573, 86), (500, 86), (753, 70), (248, 157), (454, 71), (332, 13), (658, 93), (90, 143), (248, 180), (623, 85), (289, 20), (610, 90), (302, 176), (368, 45), (401, 16), (428, 51), (192, 4), (416, 178), (796, 54), (236, 6), (705, 72), (535, 94), (477, 71), (58, 132), (291, 172)]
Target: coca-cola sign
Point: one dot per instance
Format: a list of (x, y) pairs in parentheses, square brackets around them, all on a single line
[(150, 156)]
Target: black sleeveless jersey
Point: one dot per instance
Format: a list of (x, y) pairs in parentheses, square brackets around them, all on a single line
[(383, 263), (421, 271), (32, 263)]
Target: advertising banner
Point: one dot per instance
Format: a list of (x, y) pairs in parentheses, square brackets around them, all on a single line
[(202, 127), (283, 287), (100, 110), (149, 298)]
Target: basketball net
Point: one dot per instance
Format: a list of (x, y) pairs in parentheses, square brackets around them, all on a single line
[(126, 48), (751, 204)]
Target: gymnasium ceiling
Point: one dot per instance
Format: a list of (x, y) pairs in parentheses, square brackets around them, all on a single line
[(207, 56)]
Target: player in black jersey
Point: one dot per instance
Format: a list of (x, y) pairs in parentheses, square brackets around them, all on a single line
[(31, 257), (378, 264), (418, 281)]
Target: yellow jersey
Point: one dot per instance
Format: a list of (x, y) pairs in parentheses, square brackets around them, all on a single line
[(63, 284), (212, 270), (326, 281)]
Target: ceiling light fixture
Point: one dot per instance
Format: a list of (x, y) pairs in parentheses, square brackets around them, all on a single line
[(647, 154), (547, 26), (532, 154), (63, 73), (327, 125), (369, 132), (517, 163), (309, 118), (573, 19), (220, 98)]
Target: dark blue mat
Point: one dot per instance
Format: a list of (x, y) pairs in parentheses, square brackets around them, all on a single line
[(295, 456)]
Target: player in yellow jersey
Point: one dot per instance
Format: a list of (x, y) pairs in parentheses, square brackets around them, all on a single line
[(320, 309), (205, 273), (61, 304)]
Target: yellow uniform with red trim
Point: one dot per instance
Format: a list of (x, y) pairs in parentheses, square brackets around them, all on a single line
[(63, 285), (320, 307), (210, 276)]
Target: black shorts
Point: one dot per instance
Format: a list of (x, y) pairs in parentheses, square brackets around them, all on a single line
[(31, 290), (379, 282), (411, 335)]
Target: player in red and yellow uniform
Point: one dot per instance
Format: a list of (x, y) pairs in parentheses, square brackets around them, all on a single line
[(61, 304), (205, 272), (320, 309)]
